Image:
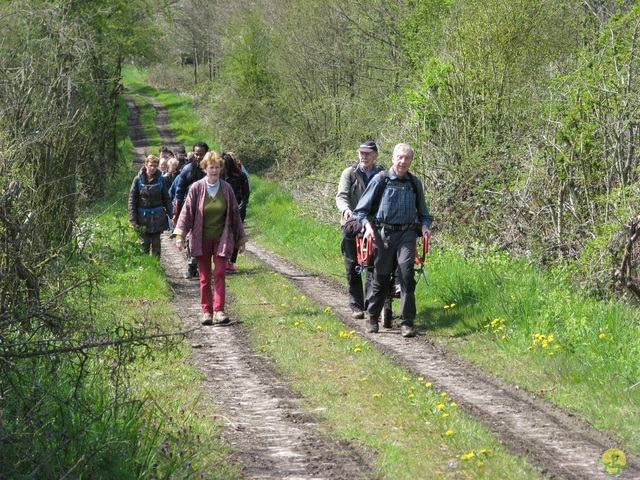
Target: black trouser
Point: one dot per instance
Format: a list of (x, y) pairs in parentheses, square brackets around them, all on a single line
[(395, 246), (150, 242), (234, 256), (357, 298)]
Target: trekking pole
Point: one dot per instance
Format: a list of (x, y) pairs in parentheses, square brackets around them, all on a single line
[(422, 248), (364, 250)]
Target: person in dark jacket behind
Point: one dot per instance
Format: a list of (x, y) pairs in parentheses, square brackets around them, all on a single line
[(189, 174), (150, 205), (239, 181)]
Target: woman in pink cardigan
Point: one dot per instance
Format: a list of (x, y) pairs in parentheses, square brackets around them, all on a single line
[(211, 214)]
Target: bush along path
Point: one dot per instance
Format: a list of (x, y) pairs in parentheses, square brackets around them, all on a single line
[(276, 438)]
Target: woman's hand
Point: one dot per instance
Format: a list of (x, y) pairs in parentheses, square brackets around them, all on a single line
[(241, 248), (180, 243)]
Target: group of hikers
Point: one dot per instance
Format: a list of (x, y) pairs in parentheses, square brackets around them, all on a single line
[(387, 209), (202, 197)]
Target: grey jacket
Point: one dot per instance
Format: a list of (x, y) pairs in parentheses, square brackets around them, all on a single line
[(351, 187)]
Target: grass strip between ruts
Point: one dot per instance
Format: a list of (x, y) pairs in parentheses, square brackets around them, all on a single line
[(413, 430)]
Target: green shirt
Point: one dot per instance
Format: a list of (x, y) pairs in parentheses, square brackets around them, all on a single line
[(214, 216)]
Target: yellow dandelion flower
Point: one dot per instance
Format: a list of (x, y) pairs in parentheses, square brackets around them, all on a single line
[(550, 337), (363, 379), (411, 395), (303, 297), (552, 353), (440, 405), (503, 337), (283, 304), (428, 384), (327, 310), (479, 463), (406, 379), (319, 327), (357, 349), (448, 433), (484, 451), (295, 299), (529, 348), (443, 394), (376, 395), (453, 404), (420, 379), (602, 336), (296, 324), (445, 415)]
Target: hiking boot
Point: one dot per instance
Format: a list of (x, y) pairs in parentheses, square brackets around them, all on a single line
[(407, 331), (372, 325), (357, 314), (220, 318), (231, 268), (191, 273), (207, 318)]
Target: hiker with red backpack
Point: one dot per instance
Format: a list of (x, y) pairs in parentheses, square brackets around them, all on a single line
[(394, 213), (353, 182)]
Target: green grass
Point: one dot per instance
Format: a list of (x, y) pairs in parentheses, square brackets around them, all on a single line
[(182, 117), (590, 349), (412, 430)]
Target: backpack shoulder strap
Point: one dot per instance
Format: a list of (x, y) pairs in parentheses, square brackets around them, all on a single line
[(412, 180), (377, 194), (353, 173)]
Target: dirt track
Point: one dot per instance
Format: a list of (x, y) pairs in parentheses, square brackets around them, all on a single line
[(275, 438)]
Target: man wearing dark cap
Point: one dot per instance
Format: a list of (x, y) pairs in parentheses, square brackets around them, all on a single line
[(353, 181)]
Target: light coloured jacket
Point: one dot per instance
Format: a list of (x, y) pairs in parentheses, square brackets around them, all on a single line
[(351, 188)]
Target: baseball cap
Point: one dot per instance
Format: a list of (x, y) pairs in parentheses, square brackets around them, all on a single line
[(368, 146)]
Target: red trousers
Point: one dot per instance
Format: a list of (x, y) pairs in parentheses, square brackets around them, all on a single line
[(211, 296)]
